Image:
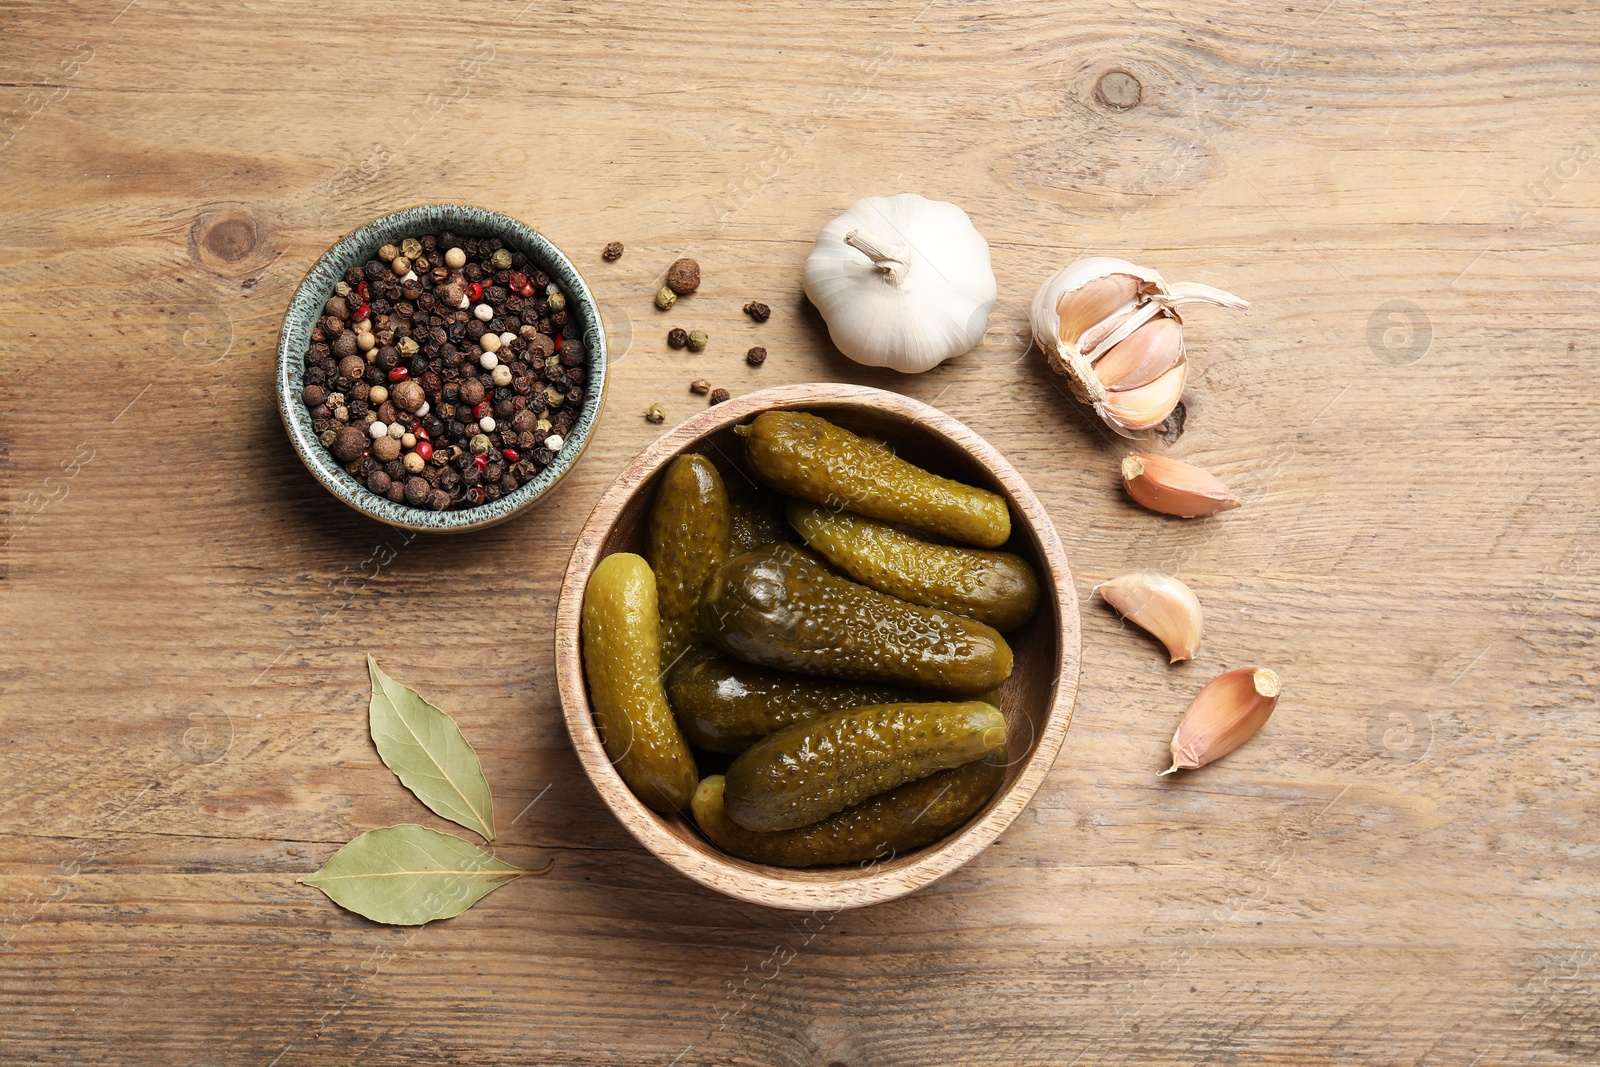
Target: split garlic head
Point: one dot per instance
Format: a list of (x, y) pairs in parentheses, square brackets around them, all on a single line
[(902, 281), (1114, 330)]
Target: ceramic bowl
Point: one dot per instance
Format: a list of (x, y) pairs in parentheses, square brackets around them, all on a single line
[(1036, 700), (358, 247)]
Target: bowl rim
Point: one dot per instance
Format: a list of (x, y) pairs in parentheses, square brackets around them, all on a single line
[(473, 220), (752, 882)]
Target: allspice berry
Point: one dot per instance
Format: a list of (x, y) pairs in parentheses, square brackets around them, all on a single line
[(408, 395), (417, 491), (470, 392), (677, 337), (683, 277), (349, 444), (385, 448)]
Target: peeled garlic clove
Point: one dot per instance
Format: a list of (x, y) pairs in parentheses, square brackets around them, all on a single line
[(1174, 487), (1226, 714), (1143, 356), (1144, 408), (1161, 605)]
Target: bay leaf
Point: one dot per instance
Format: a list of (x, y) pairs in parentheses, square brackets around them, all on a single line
[(424, 748), (408, 875)]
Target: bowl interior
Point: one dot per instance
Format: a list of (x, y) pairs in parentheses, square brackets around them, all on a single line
[(1036, 700), (358, 247)]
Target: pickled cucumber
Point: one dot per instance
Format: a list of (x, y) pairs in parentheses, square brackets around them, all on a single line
[(811, 458), (724, 705), (689, 524), (778, 607), (887, 825), (622, 661), (806, 772), (997, 588), (758, 520)]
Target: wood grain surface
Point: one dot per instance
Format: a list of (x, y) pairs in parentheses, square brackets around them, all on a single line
[(1400, 869)]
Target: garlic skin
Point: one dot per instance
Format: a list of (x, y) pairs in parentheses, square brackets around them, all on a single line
[(903, 282), (1114, 330), (1173, 487), (1226, 714), (1162, 606)]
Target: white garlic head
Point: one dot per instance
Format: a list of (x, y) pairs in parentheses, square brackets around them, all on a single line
[(1113, 329), (902, 281)]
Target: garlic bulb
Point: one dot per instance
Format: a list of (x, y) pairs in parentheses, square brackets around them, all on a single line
[(1113, 329), (902, 281)]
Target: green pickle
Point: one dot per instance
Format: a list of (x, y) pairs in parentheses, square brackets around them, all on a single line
[(885, 826), (724, 705), (996, 588), (758, 520), (811, 458), (778, 607), (688, 535), (622, 661), (806, 772)]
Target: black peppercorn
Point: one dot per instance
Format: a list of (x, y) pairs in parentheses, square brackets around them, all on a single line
[(612, 252), (719, 395), (756, 356), (677, 337)]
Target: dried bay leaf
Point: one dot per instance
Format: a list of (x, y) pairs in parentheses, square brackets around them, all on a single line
[(424, 748), (408, 875)]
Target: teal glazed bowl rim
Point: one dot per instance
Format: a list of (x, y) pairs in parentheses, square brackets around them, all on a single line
[(358, 246)]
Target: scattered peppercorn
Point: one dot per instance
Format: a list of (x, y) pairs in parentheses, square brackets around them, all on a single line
[(677, 337), (756, 356), (665, 298), (697, 340), (758, 311), (683, 277), (655, 413), (719, 395), (700, 385), (613, 252), (438, 347)]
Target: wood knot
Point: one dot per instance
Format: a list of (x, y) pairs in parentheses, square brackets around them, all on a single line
[(227, 239), (1118, 89)]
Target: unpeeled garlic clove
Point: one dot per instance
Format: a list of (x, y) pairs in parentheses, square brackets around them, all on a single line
[(1174, 487), (1144, 408), (1161, 605), (1086, 312), (1226, 714)]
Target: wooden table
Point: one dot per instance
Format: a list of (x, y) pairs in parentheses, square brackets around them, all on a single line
[(1400, 869)]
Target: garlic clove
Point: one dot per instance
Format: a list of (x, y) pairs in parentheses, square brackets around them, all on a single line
[(1143, 356), (1174, 487), (1082, 309), (1227, 713), (1145, 407), (1161, 605)]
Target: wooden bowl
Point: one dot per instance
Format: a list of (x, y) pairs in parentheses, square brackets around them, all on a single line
[(1036, 701)]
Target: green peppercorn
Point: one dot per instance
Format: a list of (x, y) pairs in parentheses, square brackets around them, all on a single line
[(411, 248), (479, 444), (501, 259), (666, 298), (407, 346), (697, 340), (655, 413), (557, 301)]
